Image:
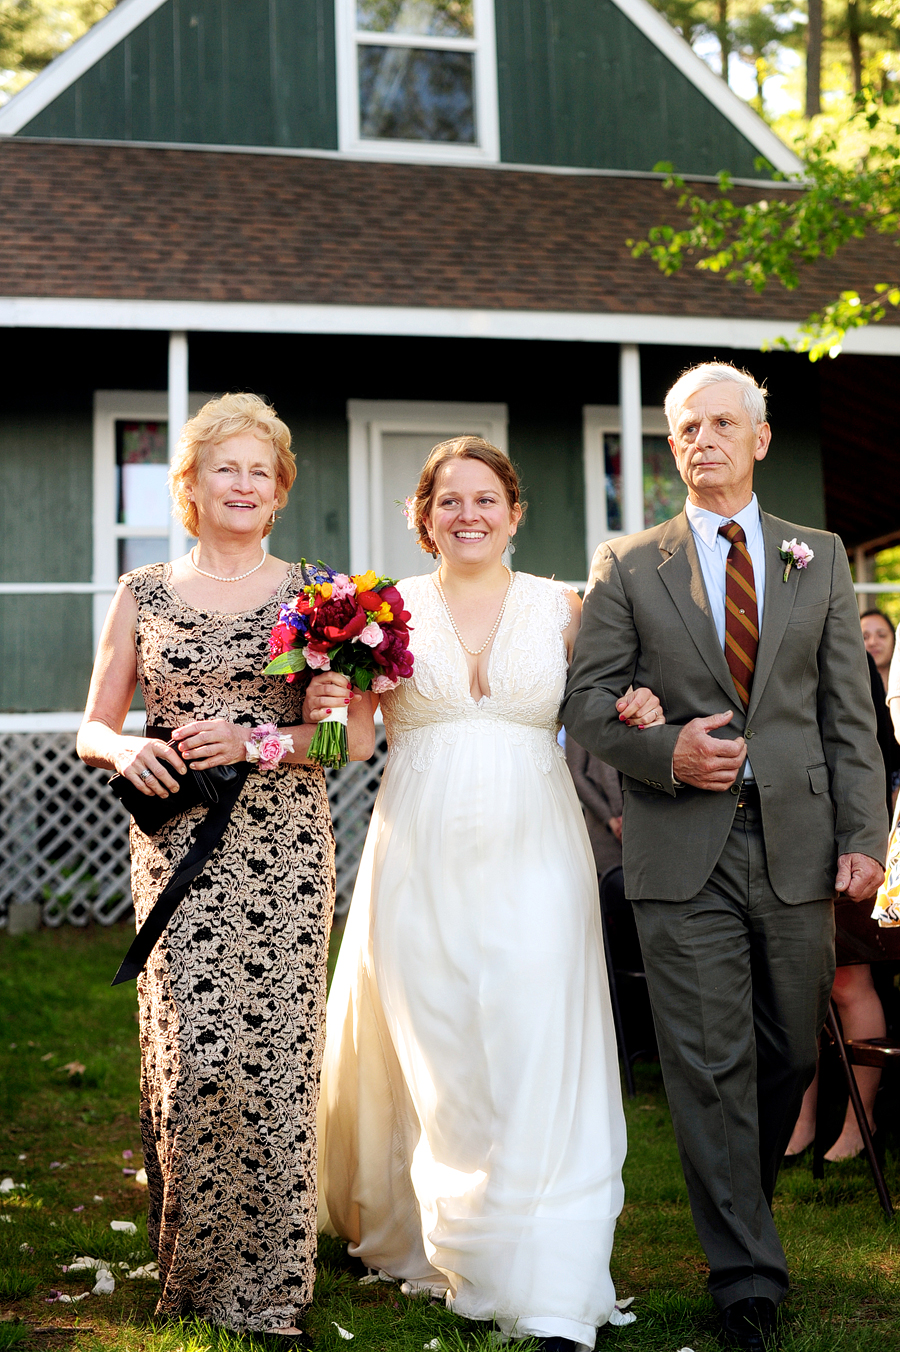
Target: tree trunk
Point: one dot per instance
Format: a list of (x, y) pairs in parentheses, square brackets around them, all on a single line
[(814, 60), (855, 44), (723, 36)]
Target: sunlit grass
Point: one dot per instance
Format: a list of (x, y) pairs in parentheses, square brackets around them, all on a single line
[(56, 1006)]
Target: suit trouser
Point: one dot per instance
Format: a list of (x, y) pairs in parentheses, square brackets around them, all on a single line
[(739, 983)]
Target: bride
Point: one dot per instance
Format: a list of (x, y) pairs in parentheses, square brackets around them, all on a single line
[(471, 1129)]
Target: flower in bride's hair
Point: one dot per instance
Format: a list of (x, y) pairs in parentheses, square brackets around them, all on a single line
[(371, 635), (381, 684), (409, 511)]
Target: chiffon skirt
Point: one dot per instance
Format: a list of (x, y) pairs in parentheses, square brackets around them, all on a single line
[(471, 1134)]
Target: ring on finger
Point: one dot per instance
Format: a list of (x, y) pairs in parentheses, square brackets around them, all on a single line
[(146, 774)]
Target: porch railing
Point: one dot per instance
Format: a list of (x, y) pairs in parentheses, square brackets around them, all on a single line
[(64, 837)]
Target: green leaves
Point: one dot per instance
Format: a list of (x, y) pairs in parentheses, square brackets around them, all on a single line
[(286, 663), (813, 216)]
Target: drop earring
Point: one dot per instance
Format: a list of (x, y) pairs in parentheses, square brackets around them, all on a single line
[(510, 547), (272, 519)]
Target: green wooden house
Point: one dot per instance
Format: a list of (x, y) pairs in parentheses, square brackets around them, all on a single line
[(399, 220)]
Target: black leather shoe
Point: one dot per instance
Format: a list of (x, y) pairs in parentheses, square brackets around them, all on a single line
[(750, 1324)]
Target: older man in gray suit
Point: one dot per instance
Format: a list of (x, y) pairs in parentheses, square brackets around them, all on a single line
[(758, 800)]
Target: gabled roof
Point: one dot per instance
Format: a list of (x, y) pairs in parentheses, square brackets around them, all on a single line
[(71, 64), (122, 21), (681, 54)]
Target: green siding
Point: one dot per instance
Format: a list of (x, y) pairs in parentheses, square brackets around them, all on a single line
[(789, 482), (45, 641), (580, 85), (241, 72), (316, 522), (547, 450)]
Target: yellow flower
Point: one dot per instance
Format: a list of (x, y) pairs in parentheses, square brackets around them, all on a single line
[(384, 614), (324, 589), (364, 581)]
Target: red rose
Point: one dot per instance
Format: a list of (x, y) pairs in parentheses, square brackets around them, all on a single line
[(339, 619), (369, 600)]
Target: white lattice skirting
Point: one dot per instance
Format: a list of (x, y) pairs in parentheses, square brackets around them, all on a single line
[(64, 838)]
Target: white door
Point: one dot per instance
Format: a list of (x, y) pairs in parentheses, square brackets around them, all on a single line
[(389, 444)]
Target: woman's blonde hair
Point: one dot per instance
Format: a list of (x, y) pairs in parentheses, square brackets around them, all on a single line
[(461, 448), (231, 415)]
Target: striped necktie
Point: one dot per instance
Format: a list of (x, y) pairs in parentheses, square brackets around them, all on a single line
[(741, 616)]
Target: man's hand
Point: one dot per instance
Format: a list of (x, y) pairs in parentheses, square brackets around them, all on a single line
[(615, 825), (858, 876), (708, 762)]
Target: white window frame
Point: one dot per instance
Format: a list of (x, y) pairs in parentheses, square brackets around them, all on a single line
[(487, 124), (369, 420), (110, 407), (598, 419)]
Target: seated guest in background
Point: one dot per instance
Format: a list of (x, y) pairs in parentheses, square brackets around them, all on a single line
[(600, 794), (878, 636)]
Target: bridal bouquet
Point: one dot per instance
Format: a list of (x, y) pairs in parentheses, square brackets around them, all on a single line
[(356, 626)]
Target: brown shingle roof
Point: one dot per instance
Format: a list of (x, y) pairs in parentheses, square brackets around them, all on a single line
[(135, 222)]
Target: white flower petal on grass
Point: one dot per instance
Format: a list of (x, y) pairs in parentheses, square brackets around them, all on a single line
[(7, 1220), (619, 1318), (432, 1346), (148, 1273), (141, 1177), (373, 1276), (7, 1185), (343, 1333), (70, 1300), (106, 1284), (126, 1227), (624, 1302)]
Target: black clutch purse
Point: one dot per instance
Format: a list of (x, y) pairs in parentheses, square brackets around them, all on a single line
[(198, 788)]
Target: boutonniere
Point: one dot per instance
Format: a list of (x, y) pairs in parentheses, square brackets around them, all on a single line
[(795, 556)]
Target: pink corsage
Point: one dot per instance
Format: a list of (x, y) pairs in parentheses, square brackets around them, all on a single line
[(795, 556), (267, 745)]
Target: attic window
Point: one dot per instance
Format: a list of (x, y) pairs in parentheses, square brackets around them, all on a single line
[(418, 76)]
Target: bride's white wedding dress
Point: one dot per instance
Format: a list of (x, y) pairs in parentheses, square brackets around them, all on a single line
[(471, 1128)]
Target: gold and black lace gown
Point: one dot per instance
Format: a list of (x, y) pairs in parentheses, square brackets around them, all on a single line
[(232, 1001)]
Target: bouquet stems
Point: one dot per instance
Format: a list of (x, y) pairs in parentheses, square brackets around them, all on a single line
[(328, 747)]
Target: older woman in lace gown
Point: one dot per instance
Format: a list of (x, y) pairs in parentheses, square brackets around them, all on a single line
[(232, 998), (471, 1129)]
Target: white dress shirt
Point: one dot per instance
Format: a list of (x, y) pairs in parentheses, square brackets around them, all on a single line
[(713, 548)]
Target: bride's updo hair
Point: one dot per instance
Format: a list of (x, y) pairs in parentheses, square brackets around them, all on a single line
[(461, 448)]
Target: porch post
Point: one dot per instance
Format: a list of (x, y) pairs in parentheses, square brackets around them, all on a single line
[(178, 416), (632, 445)]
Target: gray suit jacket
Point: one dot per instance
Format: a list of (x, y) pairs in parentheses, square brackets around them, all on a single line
[(810, 726), (600, 795)]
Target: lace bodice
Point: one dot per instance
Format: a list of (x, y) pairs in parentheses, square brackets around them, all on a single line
[(204, 663), (526, 673)]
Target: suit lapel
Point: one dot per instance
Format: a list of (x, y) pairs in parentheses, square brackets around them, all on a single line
[(680, 572), (779, 602)]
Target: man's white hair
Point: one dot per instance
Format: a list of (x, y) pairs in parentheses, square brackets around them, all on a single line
[(753, 396)]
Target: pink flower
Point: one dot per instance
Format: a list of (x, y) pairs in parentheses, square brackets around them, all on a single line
[(382, 683), (795, 555), (78, 1208), (270, 750), (371, 635), (129, 1154), (319, 661), (342, 585)]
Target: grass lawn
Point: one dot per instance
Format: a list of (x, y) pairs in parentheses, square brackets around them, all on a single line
[(68, 1115)]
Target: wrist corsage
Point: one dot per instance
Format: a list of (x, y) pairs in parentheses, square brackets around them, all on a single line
[(267, 745)]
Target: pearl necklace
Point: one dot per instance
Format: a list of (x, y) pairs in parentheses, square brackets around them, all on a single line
[(215, 577), (473, 652)]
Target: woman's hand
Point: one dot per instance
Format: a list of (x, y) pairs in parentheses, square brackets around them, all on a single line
[(326, 691), (152, 766), (211, 741), (640, 709)]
